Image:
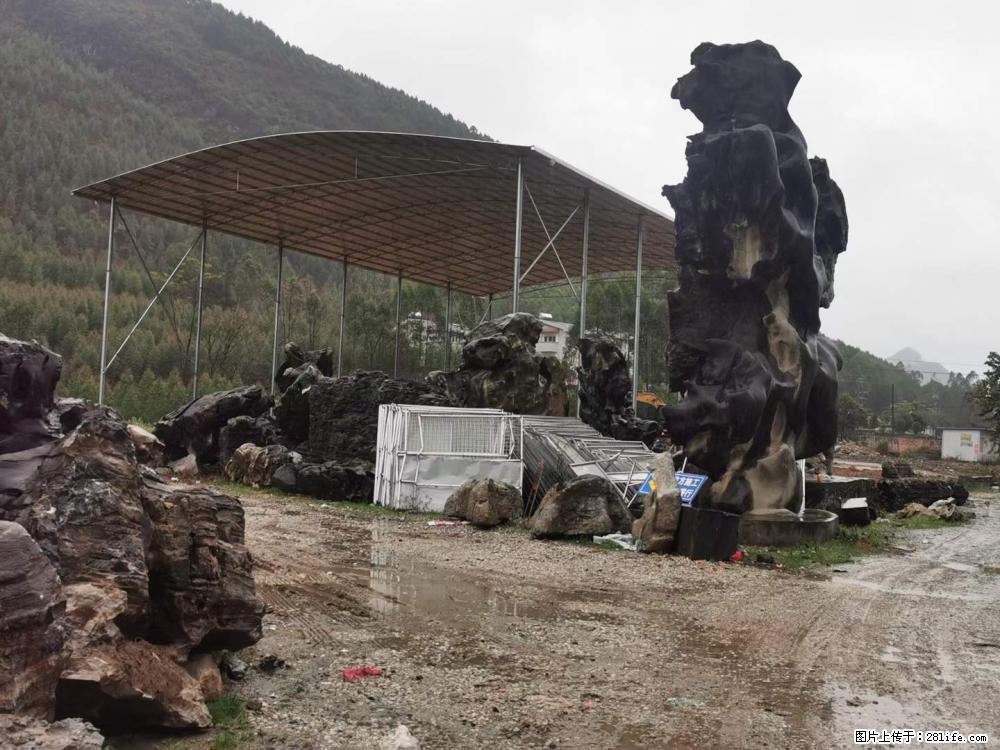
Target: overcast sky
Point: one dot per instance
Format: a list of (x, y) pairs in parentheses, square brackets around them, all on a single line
[(901, 98)]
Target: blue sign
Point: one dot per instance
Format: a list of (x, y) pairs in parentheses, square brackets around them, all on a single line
[(689, 485), (648, 486)]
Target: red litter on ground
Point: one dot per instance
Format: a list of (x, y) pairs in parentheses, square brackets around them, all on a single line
[(737, 556), (356, 674)]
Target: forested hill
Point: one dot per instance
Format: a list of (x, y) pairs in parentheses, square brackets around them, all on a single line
[(90, 88)]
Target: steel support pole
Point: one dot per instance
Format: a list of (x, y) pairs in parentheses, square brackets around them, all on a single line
[(107, 305), (399, 311), (447, 331), (516, 298), (638, 309), (582, 328), (343, 317), (277, 317), (197, 318), (489, 307)]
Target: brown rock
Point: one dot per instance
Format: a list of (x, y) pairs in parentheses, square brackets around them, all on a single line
[(656, 530), (586, 506), (130, 685), (485, 502), (32, 618), (34, 734), (148, 448), (254, 465), (201, 584), (205, 671), (85, 511)]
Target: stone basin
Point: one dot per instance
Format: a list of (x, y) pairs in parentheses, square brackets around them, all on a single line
[(782, 528)]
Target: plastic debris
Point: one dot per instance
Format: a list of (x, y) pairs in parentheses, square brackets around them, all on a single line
[(737, 556), (625, 541), (356, 674), (445, 522), (401, 739)]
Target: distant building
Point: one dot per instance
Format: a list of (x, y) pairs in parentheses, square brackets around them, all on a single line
[(554, 338), (967, 444)]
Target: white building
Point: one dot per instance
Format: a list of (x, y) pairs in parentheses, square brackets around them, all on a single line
[(967, 444), (554, 338)]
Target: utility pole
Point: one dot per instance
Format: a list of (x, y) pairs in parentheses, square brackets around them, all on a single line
[(892, 406)]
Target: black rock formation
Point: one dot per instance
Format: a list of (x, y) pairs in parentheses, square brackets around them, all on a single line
[(343, 413), (606, 393), (296, 358), (194, 428), (500, 369), (759, 228)]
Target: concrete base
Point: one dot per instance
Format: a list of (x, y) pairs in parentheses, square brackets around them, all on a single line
[(705, 534), (782, 528)]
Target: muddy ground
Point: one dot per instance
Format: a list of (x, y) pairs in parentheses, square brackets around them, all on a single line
[(490, 639)]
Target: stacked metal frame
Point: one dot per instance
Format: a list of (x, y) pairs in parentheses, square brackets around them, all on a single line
[(425, 452), (557, 449)]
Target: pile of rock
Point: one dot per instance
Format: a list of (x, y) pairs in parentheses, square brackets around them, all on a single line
[(320, 436), (114, 586), (606, 393), (500, 369)]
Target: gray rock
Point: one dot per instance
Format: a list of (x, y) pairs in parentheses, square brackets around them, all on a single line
[(194, 428), (485, 503), (501, 369), (255, 466), (245, 429), (32, 622), (588, 506), (326, 481), (34, 734)]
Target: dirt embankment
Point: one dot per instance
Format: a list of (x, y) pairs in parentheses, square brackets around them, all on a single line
[(493, 640)]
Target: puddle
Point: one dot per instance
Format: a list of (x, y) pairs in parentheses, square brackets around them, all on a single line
[(865, 709)]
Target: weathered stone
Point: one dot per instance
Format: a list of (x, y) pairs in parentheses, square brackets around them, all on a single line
[(28, 376), (297, 359), (326, 481), (148, 448), (656, 529), (32, 622), (201, 587), (896, 470), (606, 393), (84, 507), (194, 428), (759, 228), (485, 503), (255, 466), (205, 671), (893, 494), (830, 492), (131, 685), (241, 430), (292, 410), (343, 413), (587, 506), (500, 369), (35, 734)]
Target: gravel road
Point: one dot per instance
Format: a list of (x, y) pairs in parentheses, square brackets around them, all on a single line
[(490, 639)]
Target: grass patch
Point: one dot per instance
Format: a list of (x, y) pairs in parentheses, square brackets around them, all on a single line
[(850, 543), (369, 509), (231, 721)]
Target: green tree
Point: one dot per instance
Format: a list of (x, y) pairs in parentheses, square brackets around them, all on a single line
[(986, 392)]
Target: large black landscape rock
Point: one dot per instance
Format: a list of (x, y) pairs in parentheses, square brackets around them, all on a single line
[(343, 413), (194, 428), (759, 228), (500, 369), (606, 393)]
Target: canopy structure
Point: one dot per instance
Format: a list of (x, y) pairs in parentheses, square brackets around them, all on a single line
[(474, 216)]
